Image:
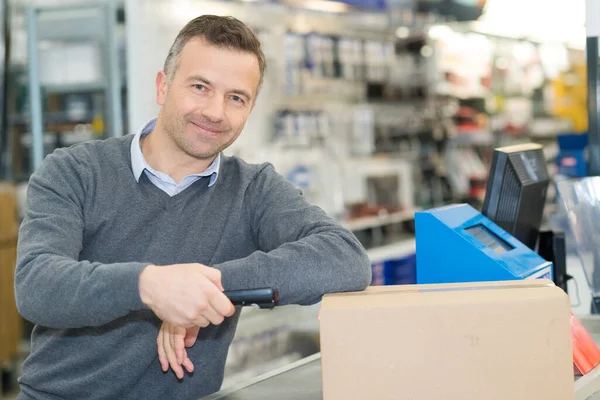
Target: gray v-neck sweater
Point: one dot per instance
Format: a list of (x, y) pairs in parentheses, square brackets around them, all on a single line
[(90, 229)]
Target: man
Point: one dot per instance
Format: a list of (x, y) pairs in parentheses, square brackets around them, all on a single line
[(129, 242)]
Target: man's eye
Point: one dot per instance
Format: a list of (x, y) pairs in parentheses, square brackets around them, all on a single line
[(200, 87), (237, 99)]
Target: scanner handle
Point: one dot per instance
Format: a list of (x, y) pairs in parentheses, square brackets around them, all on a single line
[(263, 297)]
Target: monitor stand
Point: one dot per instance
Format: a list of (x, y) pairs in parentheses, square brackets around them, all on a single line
[(551, 247), (595, 307)]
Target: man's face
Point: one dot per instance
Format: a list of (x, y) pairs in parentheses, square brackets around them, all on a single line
[(207, 103)]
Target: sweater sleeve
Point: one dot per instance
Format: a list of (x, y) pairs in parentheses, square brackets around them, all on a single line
[(302, 252), (53, 287)]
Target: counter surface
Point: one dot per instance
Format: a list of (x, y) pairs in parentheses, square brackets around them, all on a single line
[(302, 381), (298, 381)]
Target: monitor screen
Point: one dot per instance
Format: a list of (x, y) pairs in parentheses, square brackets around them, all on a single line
[(489, 239)]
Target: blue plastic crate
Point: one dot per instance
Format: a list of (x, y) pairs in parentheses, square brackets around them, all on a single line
[(572, 158)]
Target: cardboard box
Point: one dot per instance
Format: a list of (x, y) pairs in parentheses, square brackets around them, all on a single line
[(468, 341), (10, 320)]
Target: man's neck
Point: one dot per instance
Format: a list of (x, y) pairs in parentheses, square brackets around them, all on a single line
[(163, 155)]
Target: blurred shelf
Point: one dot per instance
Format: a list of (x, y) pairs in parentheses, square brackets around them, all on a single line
[(449, 90), (474, 138), (547, 136), (315, 102), (67, 138), (393, 250), (70, 23), (549, 128), (323, 92), (52, 117), (74, 87), (380, 220)]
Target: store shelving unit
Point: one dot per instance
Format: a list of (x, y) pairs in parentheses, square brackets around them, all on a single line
[(380, 220), (65, 35)]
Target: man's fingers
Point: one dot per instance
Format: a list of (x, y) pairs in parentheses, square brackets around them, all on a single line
[(173, 346), (213, 316), (222, 305), (187, 363), (180, 347), (202, 322), (191, 336), (172, 357), (214, 275), (176, 337), (162, 356)]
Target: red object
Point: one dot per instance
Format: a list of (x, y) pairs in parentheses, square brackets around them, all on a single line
[(477, 187), (586, 354)]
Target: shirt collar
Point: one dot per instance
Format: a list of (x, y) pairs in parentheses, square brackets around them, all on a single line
[(139, 164)]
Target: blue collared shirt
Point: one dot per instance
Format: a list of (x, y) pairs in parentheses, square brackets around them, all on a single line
[(162, 180)]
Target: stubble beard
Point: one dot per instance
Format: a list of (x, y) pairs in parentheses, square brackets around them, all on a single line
[(176, 132)]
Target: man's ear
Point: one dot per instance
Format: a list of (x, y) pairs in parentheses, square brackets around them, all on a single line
[(162, 87)]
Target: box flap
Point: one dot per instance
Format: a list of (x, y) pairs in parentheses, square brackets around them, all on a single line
[(404, 295)]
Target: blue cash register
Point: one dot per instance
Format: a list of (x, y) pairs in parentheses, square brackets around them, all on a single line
[(457, 243)]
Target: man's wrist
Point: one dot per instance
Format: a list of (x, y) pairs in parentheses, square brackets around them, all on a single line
[(145, 284)]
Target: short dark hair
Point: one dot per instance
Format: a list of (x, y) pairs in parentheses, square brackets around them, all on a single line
[(226, 32)]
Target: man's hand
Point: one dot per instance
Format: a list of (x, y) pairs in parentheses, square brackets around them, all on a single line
[(185, 295), (172, 342)]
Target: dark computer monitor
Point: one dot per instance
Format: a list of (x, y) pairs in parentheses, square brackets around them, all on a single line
[(515, 198), (516, 191)]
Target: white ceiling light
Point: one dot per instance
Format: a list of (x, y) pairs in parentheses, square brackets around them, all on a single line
[(540, 20), (320, 5)]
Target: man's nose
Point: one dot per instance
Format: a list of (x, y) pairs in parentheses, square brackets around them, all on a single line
[(214, 108)]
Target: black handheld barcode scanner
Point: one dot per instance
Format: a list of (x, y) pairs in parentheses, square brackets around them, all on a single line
[(263, 297)]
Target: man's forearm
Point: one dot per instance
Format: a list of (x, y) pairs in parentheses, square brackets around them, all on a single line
[(304, 270), (305, 254), (58, 292)]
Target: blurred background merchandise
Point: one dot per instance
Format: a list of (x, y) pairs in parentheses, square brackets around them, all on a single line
[(374, 108)]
